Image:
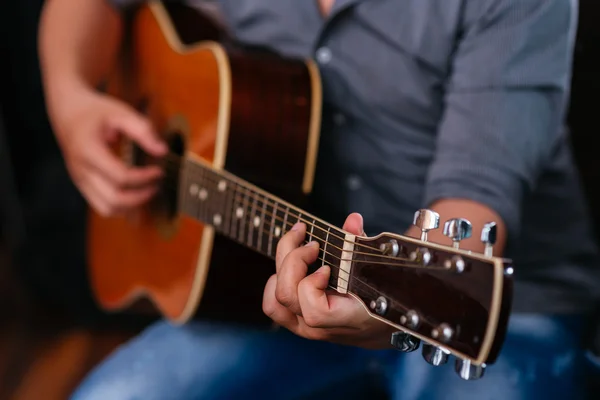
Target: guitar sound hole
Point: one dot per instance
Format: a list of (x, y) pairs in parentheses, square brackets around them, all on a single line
[(165, 203)]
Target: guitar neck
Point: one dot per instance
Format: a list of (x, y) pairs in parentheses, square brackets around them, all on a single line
[(252, 217)]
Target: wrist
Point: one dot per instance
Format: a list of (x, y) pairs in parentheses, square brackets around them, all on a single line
[(65, 96)]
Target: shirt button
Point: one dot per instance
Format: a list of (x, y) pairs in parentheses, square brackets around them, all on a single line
[(353, 182), (323, 55), (339, 119)]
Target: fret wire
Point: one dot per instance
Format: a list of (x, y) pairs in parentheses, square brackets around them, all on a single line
[(206, 209), (199, 182), (244, 216), (234, 217), (228, 208), (284, 227), (204, 190), (271, 231), (262, 224), (251, 222), (242, 210), (198, 208), (212, 202), (325, 245)]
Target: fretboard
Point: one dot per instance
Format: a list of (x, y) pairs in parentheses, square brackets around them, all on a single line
[(256, 219)]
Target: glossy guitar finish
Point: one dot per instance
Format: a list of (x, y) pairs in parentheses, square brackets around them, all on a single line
[(243, 128)]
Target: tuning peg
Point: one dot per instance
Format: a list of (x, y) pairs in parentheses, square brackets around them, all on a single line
[(457, 229), (426, 220), (405, 342), (434, 355), (467, 370), (488, 237)]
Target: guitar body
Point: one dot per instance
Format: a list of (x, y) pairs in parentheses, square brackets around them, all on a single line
[(201, 96)]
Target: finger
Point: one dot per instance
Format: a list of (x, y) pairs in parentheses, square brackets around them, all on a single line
[(115, 170), (293, 270), (139, 129), (274, 310), (119, 201), (290, 241), (94, 198), (354, 224), (323, 310)]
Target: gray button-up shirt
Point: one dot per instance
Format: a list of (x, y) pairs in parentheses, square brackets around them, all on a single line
[(432, 99)]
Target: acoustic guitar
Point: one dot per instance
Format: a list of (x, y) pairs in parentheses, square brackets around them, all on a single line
[(242, 126)]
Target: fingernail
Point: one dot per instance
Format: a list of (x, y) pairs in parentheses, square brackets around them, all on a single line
[(297, 226), (311, 243), (323, 269)]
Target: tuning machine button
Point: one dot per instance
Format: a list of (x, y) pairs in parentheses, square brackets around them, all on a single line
[(457, 229), (488, 237), (411, 319), (426, 220), (443, 332), (391, 248), (467, 370), (405, 342), (435, 356), (380, 305), (421, 256), (456, 263)]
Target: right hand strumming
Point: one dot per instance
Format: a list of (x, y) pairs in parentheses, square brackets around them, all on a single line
[(87, 136)]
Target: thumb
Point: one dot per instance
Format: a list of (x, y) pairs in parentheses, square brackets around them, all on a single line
[(354, 224), (136, 127)]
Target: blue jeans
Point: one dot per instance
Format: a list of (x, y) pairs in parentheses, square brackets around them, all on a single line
[(540, 360)]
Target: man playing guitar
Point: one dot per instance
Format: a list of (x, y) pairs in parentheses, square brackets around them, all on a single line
[(453, 105)]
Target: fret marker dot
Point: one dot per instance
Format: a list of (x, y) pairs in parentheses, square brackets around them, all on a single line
[(277, 231), (239, 212), (202, 194), (217, 219), (222, 186), (194, 189), (256, 222)]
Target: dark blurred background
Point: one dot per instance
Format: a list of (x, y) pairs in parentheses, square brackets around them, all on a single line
[(51, 333)]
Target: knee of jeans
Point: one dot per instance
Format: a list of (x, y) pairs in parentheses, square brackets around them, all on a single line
[(135, 370), (114, 388)]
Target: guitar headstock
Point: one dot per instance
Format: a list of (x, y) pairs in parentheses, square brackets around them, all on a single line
[(456, 302)]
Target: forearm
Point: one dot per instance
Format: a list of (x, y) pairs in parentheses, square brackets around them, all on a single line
[(78, 45), (476, 213)]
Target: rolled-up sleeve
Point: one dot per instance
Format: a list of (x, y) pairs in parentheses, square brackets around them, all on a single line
[(504, 103)]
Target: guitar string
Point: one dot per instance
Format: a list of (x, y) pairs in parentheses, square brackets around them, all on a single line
[(266, 201), (337, 268), (409, 264), (328, 244), (325, 261), (394, 260), (256, 196), (247, 218)]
